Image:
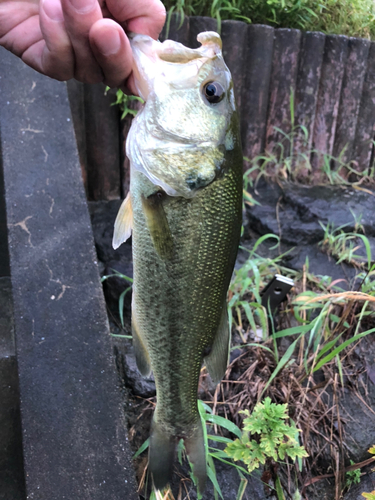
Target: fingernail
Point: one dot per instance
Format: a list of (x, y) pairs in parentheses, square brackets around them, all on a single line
[(53, 9), (83, 6), (110, 44)]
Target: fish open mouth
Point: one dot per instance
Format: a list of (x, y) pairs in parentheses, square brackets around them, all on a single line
[(171, 60)]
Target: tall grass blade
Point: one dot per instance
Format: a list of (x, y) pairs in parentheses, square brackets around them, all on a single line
[(203, 415), (121, 305), (142, 448), (219, 439), (345, 344), (242, 487), (283, 361), (223, 422), (279, 490), (211, 473)]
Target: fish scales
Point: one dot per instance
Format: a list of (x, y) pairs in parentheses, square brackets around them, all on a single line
[(184, 209), (181, 300)]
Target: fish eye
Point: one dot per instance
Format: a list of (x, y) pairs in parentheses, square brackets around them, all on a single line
[(213, 92)]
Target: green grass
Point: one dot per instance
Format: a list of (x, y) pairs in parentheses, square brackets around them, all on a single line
[(344, 245), (347, 17), (290, 159)]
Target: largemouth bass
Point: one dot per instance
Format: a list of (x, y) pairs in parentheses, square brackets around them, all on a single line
[(184, 208)]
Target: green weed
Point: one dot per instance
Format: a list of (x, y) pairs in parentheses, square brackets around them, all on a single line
[(322, 323), (344, 245), (290, 159), (352, 477), (287, 162), (121, 299), (276, 439), (125, 102), (370, 496)]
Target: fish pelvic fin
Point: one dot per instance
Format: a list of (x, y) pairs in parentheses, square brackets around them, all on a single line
[(123, 223), (217, 361), (157, 224), (142, 357), (196, 452), (160, 456)]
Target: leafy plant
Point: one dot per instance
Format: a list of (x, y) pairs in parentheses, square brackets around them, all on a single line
[(276, 439), (352, 476), (124, 101), (370, 496)]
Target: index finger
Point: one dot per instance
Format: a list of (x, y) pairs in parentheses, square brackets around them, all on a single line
[(79, 16), (139, 16)]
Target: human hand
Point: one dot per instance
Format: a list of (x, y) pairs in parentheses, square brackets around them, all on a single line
[(81, 39)]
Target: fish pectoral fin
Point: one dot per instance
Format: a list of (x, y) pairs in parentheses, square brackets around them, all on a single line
[(217, 360), (142, 357), (157, 224), (123, 223)]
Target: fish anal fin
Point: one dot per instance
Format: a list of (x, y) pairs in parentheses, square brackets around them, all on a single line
[(123, 223), (142, 357), (196, 452), (217, 361), (157, 224), (161, 455)]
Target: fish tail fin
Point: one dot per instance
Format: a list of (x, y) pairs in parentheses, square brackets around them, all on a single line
[(161, 456), (196, 452), (162, 451)]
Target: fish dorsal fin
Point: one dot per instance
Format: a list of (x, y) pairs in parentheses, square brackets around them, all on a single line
[(217, 360), (123, 223), (157, 224)]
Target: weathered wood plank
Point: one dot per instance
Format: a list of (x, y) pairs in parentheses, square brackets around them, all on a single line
[(365, 131), (282, 86), (102, 126), (233, 35), (257, 67), (74, 436), (350, 99), (306, 96), (334, 59)]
